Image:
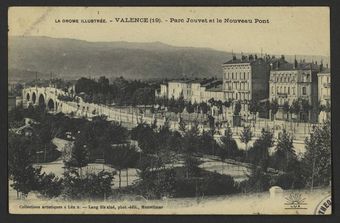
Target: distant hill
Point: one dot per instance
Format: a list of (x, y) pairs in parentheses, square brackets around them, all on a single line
[(71, 59)]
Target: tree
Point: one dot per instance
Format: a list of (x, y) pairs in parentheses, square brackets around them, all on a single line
[(80, 154), (146, 138), (180, 103), (90, 186), (258, 180), (237, 108), (253, 106), (228, 143), (143, 96), (49, 185), (105, 134), (191, 164), (103, 84), (305, 107), (286, 108), (24, 175), (121, 157), (227, 103), (259, 154), (190, 107), (274, 107), (317, 158), (246, 136), (285, 152), (182, 125), (204, 107), (295, 108)]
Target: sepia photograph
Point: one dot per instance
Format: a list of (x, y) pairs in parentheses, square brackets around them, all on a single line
[(169, 110)]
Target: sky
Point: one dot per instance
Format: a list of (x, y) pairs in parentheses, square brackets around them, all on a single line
[(290, 31)]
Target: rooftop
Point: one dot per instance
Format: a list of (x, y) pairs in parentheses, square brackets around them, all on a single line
[(215, 88), (325, 70)]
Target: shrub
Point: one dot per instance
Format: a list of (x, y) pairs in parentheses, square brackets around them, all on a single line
[(90, 186), (49, 185)]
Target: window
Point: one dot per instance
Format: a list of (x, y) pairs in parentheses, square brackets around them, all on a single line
[(303, 90), (288, 90), (293, 89)]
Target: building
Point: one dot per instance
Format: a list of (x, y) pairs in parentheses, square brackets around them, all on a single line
[(246, 78), (294, 82), (196, 91), (324, 92), (178, 88)]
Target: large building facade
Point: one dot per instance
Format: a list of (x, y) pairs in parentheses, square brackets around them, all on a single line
[(262, 79), (247, 78), (294, 82)]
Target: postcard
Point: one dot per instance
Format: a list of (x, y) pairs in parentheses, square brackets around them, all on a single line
[(169, 110)]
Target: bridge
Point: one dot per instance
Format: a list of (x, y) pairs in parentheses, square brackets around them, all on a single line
[(42, 96), (48, 97)]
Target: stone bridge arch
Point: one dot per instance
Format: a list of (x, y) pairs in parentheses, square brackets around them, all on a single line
[(51, 105), (41, 100), (34, 98)]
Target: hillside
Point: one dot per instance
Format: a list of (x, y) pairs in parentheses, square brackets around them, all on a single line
[(70, 59)]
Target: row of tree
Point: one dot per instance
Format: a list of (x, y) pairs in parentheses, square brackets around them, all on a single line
[(120, 91)]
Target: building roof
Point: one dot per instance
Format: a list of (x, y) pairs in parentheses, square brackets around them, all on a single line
[(275, 61), (215, 88), (180, 81), (325, 71), (244, 59), (212, 85), (203, 81)]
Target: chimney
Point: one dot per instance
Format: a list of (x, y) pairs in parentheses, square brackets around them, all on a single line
[(321, 65)]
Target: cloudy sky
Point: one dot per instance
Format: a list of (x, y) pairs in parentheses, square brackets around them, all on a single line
[(291, 30)]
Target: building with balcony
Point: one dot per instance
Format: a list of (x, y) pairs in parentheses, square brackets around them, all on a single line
[(324, 92), (247, 78), (294, 82)]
